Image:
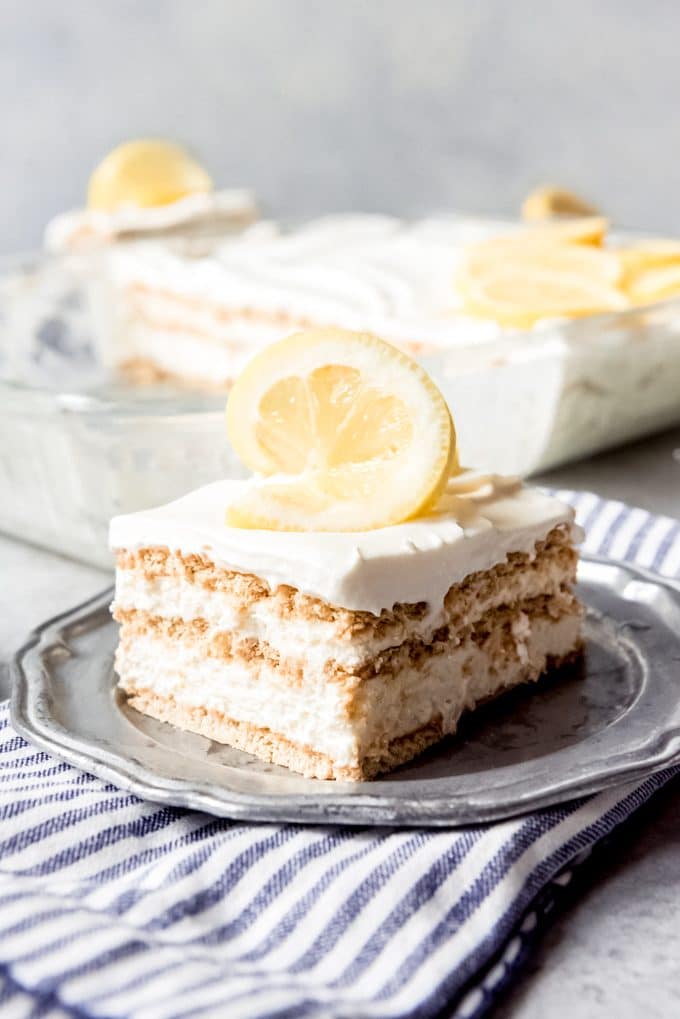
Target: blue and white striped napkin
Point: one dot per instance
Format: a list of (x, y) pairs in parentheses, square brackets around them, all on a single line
[(113, 907)]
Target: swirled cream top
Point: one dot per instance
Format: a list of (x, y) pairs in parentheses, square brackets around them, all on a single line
[(365, 272), (479, 521)]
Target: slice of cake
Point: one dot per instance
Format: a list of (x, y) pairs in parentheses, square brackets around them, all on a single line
[(339, 617), (340, 655)]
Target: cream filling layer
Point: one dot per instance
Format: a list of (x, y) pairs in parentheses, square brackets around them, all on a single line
[(315, 641), (199, 321), (328, 718), (359, 272), (417, 561), (210, 359), (185, 356)]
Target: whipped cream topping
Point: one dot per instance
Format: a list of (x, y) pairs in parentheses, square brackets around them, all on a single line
[(364, 272), (480, 520), (81, 229)]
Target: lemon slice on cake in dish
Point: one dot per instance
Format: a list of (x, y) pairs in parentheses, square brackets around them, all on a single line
[(145, 173), (581, 230), (556, 256), (521, 294), (554, 271), (549, 200), (347, 433), (657, 283), (652, 269)]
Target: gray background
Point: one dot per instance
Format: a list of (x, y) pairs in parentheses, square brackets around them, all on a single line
[(395, 105)]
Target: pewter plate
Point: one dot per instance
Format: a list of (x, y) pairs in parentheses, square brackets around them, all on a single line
[(616, 719)]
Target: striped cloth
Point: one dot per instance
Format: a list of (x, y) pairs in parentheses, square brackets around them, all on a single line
[(110, 906)]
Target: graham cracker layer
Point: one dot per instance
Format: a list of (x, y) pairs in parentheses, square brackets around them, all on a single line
[(137, 295), (387, 663), (143, 371), (180, 313), (276, 749), (554, 555)]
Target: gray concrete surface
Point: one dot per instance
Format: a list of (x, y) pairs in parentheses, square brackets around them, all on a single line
[(395, 106)]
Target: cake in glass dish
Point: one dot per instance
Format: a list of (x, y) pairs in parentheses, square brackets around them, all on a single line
[(438, 284), (198, 321), (150, 189), (546, 337), (339, 611)]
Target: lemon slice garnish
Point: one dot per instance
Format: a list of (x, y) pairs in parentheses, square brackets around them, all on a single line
[(541, 253), (552, 271), (145, 173), (547, 201), (520, 295), (651, 269), (649, 254), (584, 230), (655, 284), (350, 433)]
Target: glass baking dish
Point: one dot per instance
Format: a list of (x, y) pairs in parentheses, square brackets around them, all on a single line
[(77, 446)]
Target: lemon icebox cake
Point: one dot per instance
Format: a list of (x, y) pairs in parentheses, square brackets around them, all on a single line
[(339, 611), (340, 655), (441, 283), (198, 321), (545, 337)]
